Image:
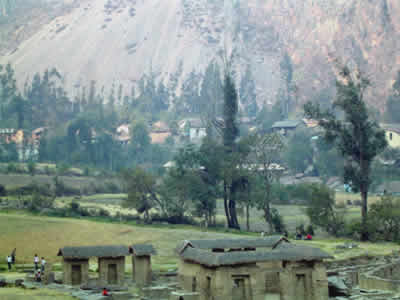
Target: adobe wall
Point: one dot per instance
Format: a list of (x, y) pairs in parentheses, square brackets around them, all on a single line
[(104, 263), (141, 270), (254, 281), (381, 278), (219, 283), (303, 280), (67, 270), (193, 278)]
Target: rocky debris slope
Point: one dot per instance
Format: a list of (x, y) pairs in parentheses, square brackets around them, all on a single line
[(120, 40)]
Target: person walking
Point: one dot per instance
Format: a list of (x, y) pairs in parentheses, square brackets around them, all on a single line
[(9, 262), (43, 264), (36, 261)]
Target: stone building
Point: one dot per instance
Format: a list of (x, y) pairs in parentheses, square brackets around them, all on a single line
[(252, 269), (141, 263), (111, 264)]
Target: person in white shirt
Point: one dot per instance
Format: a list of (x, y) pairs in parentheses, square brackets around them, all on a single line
[(9, 261), (36, 261), (43, 264)]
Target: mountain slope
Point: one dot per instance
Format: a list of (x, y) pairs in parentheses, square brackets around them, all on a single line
[(120, 40)]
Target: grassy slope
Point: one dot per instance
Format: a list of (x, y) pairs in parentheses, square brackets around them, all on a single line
[(42, 294), (43, 235)]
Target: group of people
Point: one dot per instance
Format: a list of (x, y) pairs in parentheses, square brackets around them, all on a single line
[(39, 272)]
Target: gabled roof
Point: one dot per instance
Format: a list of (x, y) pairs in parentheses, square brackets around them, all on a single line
[(142, 250), (93, 251), (266, 242), (287, 252), (287, 124)]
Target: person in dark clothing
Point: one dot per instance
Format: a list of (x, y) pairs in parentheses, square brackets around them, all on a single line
[(13, 253)]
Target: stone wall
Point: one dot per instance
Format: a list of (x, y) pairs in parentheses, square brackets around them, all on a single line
[(303, 281), (381, 278), (105, 271), (141, 269), (67, 271)]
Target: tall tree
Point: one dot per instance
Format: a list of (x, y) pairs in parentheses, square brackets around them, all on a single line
[(358, 138), (287, 77), (230, 133), (140, 186), (248, 93), (393, 102)]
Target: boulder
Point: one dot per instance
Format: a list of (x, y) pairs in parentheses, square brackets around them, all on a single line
[(3, 282), (19, 282), (337, 287)]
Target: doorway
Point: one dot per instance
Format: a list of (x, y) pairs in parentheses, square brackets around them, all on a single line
[(112, 274), (241, 285), (301, 287), (76, 274)]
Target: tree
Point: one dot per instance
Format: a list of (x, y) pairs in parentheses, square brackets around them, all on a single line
[(287, 77), (321, 210), (230, 133), (265, 154), (248, 93), (299, 152), (140, 186), (393, 102), (385, 216), (140, 142), (179, 183), (358, 138)]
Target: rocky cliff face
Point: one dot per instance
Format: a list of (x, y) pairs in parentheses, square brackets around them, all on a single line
[(120, 40)]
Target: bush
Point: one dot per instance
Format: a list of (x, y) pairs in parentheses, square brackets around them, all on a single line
[(277, 221), (3, 191), (32, 168), (11, 168), (39, 202), (322, 210)]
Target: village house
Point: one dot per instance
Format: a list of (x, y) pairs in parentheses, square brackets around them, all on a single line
[(392, 133), (252, 269), (194, 129), (111, 264), (141, 263), (160, 132), (288, 126), (123, 134)]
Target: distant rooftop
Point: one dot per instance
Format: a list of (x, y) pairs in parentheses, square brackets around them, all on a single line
[(287, 124)]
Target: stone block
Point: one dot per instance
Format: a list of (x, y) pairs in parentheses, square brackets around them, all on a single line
[(184, 296)]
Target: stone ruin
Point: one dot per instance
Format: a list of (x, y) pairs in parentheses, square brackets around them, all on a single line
[(247, 269), (365, 277)]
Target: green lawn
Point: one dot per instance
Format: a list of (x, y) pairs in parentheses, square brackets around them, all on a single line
[(40, 294)]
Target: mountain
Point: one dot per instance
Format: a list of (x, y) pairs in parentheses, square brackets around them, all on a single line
[(117, 41)]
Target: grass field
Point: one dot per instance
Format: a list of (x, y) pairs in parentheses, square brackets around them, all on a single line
[(18, 180), (41, 294), (44, 236)]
